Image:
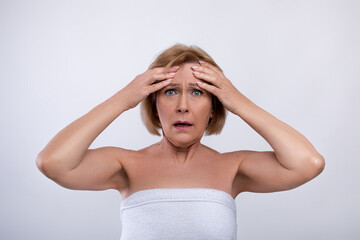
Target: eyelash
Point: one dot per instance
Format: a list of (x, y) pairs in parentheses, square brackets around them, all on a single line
[(200, 92), (166, 91), (195, 90)]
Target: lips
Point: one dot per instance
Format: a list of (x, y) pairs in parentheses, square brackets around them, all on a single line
[(182, 124)]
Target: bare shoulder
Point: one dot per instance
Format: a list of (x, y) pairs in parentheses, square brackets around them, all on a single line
[(123, 154), (236, 156), (127, 157), (210, 150)]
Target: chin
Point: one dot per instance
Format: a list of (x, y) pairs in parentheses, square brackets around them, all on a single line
[(182, 141)]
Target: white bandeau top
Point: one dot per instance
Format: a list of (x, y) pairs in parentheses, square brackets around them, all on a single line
[(179, 213)]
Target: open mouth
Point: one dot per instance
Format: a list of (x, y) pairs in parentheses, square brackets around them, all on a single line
[(182, 125)]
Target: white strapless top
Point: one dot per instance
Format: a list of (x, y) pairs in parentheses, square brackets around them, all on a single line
[(179, 213)]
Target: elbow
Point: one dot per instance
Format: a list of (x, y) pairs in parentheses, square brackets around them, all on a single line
[(312, 167), (317, 165), (43, 165), (40, 164)]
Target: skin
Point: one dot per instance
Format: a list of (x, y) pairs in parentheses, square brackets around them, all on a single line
[(183, 100), (293, 162), (179, 160)]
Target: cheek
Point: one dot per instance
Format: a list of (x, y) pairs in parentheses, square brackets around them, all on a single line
[(159, 105), (207, 105), (203, 110), (163, 110)]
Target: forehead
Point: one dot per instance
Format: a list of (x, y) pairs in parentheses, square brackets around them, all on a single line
[(185, 74)]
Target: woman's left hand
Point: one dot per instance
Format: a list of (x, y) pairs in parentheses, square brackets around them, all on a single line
[(214, 81)]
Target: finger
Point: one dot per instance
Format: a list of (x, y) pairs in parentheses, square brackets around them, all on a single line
[(211, 78), (159, 85), (207, 87), (160, 73), (206, 70), (163, 69), (174, 68), (162, 76), (206, 64), (203, 69)]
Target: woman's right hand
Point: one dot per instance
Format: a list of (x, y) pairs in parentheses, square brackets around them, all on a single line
[(146, 83)]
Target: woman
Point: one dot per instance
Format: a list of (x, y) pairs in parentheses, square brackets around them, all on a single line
[(179, 188)]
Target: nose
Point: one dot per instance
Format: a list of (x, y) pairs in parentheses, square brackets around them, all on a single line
[(183, 104)]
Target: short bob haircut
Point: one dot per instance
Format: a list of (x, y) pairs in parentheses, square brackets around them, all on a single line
[(177, 55)]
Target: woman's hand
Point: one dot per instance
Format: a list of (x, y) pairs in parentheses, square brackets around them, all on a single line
[(146, 83), (214, 81)]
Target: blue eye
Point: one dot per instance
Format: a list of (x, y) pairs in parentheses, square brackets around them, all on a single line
[(197, 92), (170, 92)]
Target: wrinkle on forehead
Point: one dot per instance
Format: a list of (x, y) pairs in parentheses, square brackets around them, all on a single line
[(178, 84), (185, 73)]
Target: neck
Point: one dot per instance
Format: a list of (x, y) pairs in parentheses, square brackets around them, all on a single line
[(179, 154)]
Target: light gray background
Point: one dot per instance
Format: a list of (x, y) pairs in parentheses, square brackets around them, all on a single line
[(299, 60)]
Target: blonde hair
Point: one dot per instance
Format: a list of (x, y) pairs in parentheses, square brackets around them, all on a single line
[(177, 55)]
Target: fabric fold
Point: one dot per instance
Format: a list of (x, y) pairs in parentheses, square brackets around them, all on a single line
[(179, 213)]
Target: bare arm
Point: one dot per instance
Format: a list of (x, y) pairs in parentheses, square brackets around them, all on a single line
[(69, 149), (65, 151), (67, 160), (294, 160)]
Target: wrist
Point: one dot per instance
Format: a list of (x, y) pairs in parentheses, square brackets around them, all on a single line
[(243, 106), (118, 101)]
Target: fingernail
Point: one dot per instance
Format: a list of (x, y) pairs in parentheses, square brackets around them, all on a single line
[(174, 67), (200, 83), (168, 80), (201, 62), (195, 67), (172, 74), (196, 72)]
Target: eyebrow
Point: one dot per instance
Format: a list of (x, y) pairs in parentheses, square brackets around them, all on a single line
[(178, 84)]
